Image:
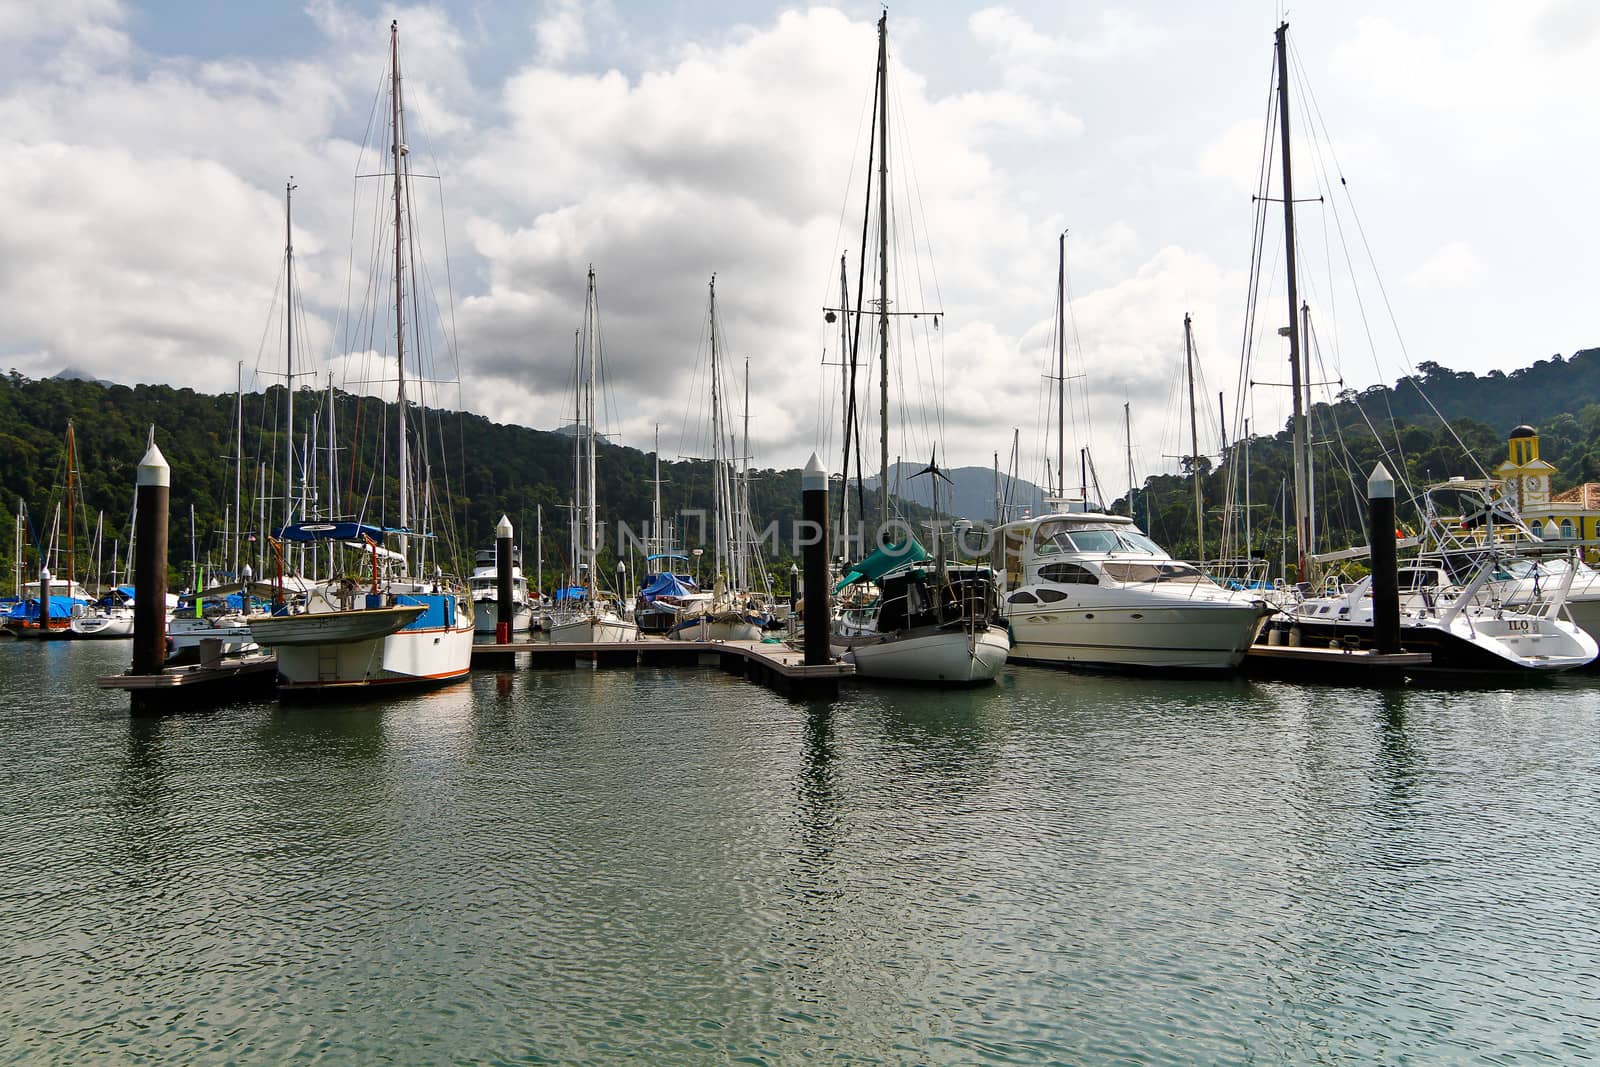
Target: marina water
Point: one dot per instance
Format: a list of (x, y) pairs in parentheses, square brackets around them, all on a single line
[(680, 867)]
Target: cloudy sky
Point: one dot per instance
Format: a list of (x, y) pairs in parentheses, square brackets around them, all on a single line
[(144, 148)]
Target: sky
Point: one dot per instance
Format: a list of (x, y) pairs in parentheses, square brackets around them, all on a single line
[(1445, 166)]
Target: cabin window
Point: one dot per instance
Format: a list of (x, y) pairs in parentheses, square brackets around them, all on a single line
[(1008, 556), (1566, 529), (1067, 574), (1022, 598), (1164, 571), (1051, 596)]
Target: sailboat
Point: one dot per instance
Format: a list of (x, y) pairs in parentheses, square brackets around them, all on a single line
[(388, 628), (928, 624), (582, 615), (664, 592), (1467, 630), (46, 607), (732, 612)]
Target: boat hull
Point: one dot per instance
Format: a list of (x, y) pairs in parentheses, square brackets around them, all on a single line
[(102, 627), (433, 648), (333, 627), (590, 630), (1205, 636), (1508, 646), (723, 626), (948, 657), (486, 617)]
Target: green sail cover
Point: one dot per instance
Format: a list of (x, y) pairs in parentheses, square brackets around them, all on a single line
[(883, 561)]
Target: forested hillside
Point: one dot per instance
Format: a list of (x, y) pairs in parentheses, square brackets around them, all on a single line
[(1559, 397), (488, 468)]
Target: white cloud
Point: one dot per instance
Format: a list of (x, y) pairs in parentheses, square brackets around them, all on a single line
[(1453, 265)]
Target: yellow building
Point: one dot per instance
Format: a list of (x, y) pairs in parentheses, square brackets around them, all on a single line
[(1570, 515)]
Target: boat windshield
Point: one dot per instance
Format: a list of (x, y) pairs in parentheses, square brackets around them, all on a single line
[(1053, 538), (1165, 571)]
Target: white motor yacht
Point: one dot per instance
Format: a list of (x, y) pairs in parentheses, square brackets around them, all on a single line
[(1091, 590)]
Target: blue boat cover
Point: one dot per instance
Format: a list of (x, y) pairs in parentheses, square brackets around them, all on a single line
[(60, 608), (572, 592), (883, 561), (659, 585), (338, 531)]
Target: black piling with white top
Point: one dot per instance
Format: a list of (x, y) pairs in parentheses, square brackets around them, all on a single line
[(505, 612), (814, 553), (1385, 578), (153, 492)]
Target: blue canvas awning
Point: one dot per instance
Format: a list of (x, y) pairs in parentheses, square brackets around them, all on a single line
[(659, 585), (340, 531)]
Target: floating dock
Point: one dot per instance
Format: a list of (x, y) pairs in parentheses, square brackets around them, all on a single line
[(772, 664), (230, 678), (1347, 666)]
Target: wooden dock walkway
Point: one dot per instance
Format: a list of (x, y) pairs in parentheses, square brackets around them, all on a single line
[(771, 663), (244, 677)]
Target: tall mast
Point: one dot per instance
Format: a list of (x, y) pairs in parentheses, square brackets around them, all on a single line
[(288, 349), (399, 151), (1310, 453), (238, 462), (1127, 438), (744, 486), (1061, 369), (576, 519), (1301, 523), (71, 479), (1194, 444), (591, 531), (658, 543), (883, 267), (845, 410), (719, 546)]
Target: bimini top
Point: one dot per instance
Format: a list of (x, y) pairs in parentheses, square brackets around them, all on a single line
[(667, 584), (340, 531), (882, 561)]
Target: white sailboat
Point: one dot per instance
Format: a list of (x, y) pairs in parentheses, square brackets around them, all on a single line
[(733, 611), (929, 623), (582, 615), (401, 630)]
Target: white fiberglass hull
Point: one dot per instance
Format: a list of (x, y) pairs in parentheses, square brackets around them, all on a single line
[(486, 617), (1199, 636), (950, 656), (727, 626), (185, 632), (103, 627), (600, 628), (431, 646)]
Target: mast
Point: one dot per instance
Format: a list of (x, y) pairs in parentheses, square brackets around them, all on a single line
[(1194, 444), (575, 520), (740, 520), (657, 542), (1311, 457), (718, 502), (1127, 438), (845, 409), (1301, 517), (288, 349), (591, 532), (399, 151), (71, 479), (1061, 369), (238, 461), (883, 267)]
